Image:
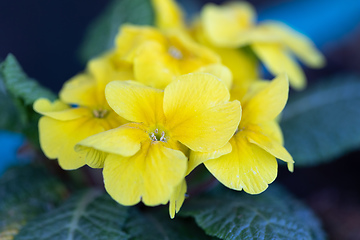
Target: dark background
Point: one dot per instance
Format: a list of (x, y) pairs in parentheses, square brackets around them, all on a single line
[(45, 36)]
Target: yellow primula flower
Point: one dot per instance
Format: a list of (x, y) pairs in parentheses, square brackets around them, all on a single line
[(81, 112), (159, 57), (147, 158), (244, 66), (232, 25), (248, 162)]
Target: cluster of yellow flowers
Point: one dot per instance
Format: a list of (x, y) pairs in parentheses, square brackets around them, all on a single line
[(171, 97)]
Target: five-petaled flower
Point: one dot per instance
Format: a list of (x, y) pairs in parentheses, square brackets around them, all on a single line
[(82, 111), (249, 161), (232, 25), (146, 159)]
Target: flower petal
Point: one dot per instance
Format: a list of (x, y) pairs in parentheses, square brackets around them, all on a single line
[(58, 138), (267, 103), (272, 130), (197, 158), (81, 90), (153, 66), (177, 199), (298, 43), (247, 167), (168, 14), (131, 37), (59, 110), (277, 61), (150, 175), (135, 102), (198, 113), (193, 55), (223, 24), (243, 67), (124, 140), (268, 144), (220, 71)]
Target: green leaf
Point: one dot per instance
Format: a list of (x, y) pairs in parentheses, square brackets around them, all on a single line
[(9, 115), (25, 192), (21, 86), (87, 215), (155, 224), (17, 94), (322, 123), (274, 214), (101, 33)]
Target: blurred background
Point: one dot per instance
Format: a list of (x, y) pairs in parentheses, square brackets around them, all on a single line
[(45, 37)]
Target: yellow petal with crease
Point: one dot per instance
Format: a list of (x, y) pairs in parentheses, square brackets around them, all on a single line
[(247, 167), (124, 140), (277, 60), (149, 176), (267, 103), (270, 145), (273, 130), (58, 139), (198, 113), (59, 110), (177, 198), (135, 102), (197, 158)]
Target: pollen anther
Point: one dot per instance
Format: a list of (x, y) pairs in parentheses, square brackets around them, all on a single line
[(154, 136), (100, 113), (175, 53)]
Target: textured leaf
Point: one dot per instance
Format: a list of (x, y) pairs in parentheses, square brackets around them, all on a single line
[(322, 122), (101, 33), (26, 192), (156, 225), (273, 214), (19, 85), (17, 94), (87, 215), (9, 115)]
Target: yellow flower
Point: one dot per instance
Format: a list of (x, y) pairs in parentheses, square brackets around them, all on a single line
[(146, 158), (233, 25), (168, 14), (249, 161), (158, 58), (62, 125), (244, 66)]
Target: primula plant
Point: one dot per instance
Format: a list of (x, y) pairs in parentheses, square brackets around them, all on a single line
[(172, 131)]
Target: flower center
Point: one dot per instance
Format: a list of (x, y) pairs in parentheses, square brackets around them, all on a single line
[(156, 135), (100, 113), (175, 52)]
